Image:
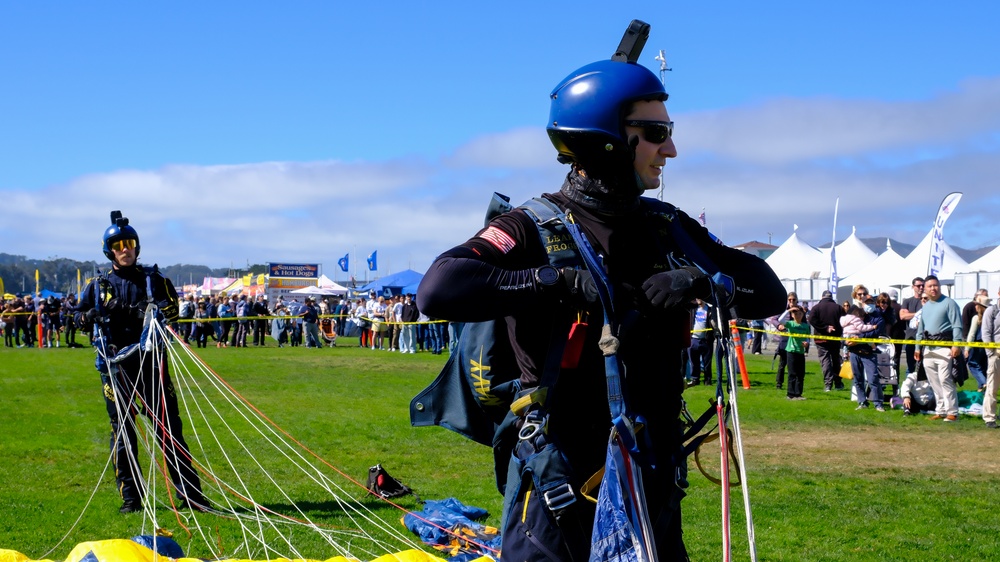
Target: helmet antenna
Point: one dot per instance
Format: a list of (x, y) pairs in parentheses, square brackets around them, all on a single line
[(664, 69), (632, 42)]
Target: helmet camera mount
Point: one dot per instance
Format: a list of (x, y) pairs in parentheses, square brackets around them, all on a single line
[(632, 42)]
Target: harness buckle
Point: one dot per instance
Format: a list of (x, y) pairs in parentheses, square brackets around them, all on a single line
[(559, 497), (534, 425)]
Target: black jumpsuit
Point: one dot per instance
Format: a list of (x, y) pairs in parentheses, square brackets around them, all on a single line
[(491, 276), (140, 382)]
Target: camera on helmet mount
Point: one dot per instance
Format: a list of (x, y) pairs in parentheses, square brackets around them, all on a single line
[(118, 220), (632, 42), (588, 106)]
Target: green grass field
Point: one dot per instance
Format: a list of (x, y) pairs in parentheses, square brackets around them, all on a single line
[(827, 482)]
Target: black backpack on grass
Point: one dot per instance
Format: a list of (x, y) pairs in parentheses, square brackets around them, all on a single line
[(382, 484)]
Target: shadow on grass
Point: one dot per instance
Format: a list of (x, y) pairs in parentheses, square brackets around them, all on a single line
[(333, 508)]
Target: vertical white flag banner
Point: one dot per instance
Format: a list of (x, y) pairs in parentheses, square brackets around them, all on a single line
[(936, 259), (834, 279)]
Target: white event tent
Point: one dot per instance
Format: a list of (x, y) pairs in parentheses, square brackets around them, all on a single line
[(989, 262), (795, 259), (915, 264), (880, 274), (331, 285), (852, 256)]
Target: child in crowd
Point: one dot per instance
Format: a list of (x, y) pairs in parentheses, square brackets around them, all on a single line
[(795, 351)]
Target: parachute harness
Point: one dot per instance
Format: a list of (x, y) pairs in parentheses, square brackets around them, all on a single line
[(624, 424)]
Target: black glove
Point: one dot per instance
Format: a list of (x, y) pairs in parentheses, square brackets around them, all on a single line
[(670, 288), (92, 315), (138, 311), (581, 286)]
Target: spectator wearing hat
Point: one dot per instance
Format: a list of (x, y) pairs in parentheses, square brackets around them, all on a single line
[(975, 357), (242, 324), (991, 335), (260, 324), (795, 350), (310, 319)]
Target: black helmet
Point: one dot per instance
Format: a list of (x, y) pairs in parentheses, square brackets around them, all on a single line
[(119, 230)]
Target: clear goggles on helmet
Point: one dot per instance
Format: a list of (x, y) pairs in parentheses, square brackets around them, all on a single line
[(655, 132), (125, 243)]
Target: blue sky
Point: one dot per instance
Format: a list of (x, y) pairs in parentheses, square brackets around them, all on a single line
[(255, 132)]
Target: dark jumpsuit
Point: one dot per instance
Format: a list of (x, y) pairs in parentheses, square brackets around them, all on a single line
[(491, 276), (142, 378)]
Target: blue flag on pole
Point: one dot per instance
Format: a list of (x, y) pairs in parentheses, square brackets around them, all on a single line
[(373, 261), (342, 262)]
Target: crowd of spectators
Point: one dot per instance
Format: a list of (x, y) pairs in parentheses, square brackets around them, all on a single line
[(27, 320), (396, 324), (380, 323), (856, 337)]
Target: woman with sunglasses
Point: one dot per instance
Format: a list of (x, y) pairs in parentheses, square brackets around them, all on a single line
[(781, 353), (608, 121)]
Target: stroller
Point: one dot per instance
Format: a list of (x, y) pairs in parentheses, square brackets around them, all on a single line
[(328, 331), (887, 373)]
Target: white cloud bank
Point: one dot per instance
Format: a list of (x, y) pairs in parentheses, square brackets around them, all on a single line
[(756, 170)]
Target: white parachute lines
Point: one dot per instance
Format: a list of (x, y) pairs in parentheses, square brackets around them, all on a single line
[(253, 473)]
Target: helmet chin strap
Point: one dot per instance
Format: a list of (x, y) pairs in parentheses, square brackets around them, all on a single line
[(611, 187), (633, 143)]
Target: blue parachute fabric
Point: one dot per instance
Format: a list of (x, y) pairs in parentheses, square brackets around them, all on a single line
[(150, 338), (164, 546), (440, 516), (616, 536)]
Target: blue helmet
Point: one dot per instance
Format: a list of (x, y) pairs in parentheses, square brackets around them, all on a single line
[(119, 230), (586, 120)]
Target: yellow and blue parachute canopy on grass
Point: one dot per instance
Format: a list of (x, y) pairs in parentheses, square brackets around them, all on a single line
[(119, 550)]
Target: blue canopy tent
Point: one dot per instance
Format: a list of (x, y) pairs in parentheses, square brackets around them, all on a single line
[(405, 281)]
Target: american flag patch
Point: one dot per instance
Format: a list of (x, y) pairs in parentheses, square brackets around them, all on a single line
[(500, 239)]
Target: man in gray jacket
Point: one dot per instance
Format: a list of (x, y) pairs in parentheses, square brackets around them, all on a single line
[(991, 334)]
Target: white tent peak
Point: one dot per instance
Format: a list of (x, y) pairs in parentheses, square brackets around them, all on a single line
[(916, 263), (879, 275), (853, 255), (988, 262), (795, 259)]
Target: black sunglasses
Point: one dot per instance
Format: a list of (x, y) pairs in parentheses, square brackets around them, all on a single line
[(655, 132)]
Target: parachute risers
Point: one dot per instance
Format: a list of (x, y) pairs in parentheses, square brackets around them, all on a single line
[(727, 549), (739, 354)]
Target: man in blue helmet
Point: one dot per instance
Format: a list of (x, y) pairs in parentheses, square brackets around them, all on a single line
[(118, 306), (608, 121)]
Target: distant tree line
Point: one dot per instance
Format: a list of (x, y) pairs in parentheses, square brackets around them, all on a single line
[(59, 274)]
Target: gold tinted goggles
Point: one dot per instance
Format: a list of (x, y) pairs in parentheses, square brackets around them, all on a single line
[(119, 245)]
